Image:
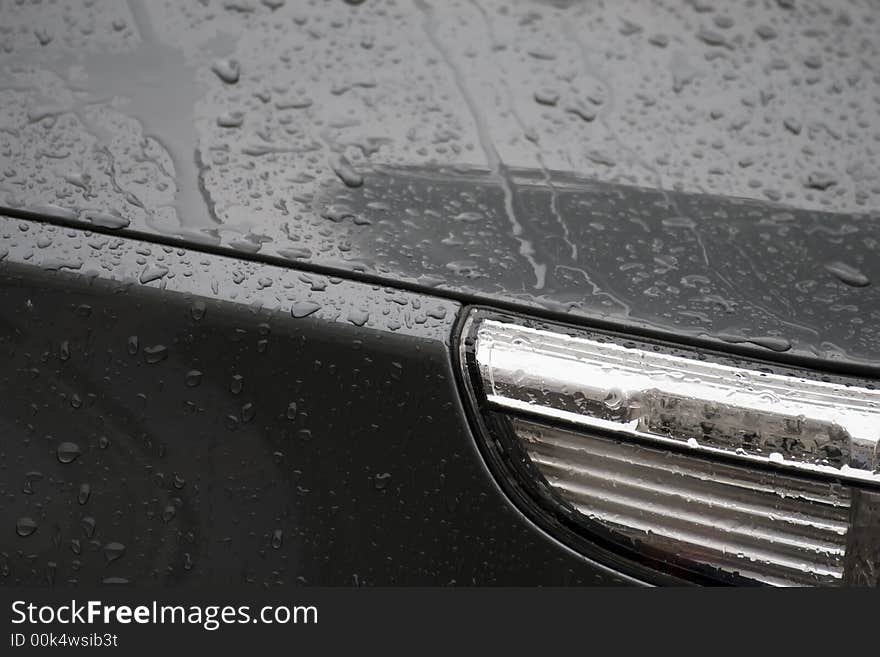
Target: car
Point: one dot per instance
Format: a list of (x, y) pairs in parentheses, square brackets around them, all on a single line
[(380, 293)]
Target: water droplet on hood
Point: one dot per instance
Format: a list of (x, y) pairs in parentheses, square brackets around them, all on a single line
[(152, 273), (106, 220), (342, 167), (848, 274), (227, 70), (304, 308)]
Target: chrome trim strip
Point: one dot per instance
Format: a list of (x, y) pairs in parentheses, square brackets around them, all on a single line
[(715, 409)]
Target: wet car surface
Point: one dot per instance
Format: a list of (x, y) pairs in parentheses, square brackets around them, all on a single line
[(283, 114), (700, 172)]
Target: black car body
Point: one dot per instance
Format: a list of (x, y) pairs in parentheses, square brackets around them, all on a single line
[(239, 241)]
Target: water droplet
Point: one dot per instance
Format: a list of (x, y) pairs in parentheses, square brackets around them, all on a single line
[(358, 317), (765, 32), (106, 220), (248, 412), (132, 344), (291, 411), (277, 538), (85, 491), (614, 399), (68, 452), (43, 36), (152, 273), (193, 378), (25, 526), (381, 480), (848, 274), (155, 354), (29, 479), (230, 120), (342, 167), (820, 181), (237, 384), (198, 310), (547, 97), (88, 526), (227, 70), (113, 551), (168, 513), (304, 308)]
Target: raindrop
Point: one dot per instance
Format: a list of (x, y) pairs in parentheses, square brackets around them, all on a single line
[(113, 551), (381, 480), (68, 452), (614, 399), (848, 274), (154, 273), (198, 310), (85, 491), (29, 479), (820, 181), (106, 220), (25, 526), (291, 411), (168, 513), (304, 308), (277, 538), (227, 70), (546, 97), (43, 36), (358, 317), (230, 120), (193, 378), (88, 526), (342, 167), (155, 354)]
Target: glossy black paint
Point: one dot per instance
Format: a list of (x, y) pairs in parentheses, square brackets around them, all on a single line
[(725, 156), (222, 438), (305, 195)]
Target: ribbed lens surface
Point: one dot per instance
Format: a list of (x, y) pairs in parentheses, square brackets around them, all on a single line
[(765, 526)]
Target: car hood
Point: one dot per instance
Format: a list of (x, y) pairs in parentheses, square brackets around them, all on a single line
[(695, 183)]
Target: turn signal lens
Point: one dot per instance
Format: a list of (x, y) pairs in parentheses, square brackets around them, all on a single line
[(717, 469)]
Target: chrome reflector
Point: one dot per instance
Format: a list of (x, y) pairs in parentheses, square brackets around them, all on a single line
[(763, 527), (807, 425)]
